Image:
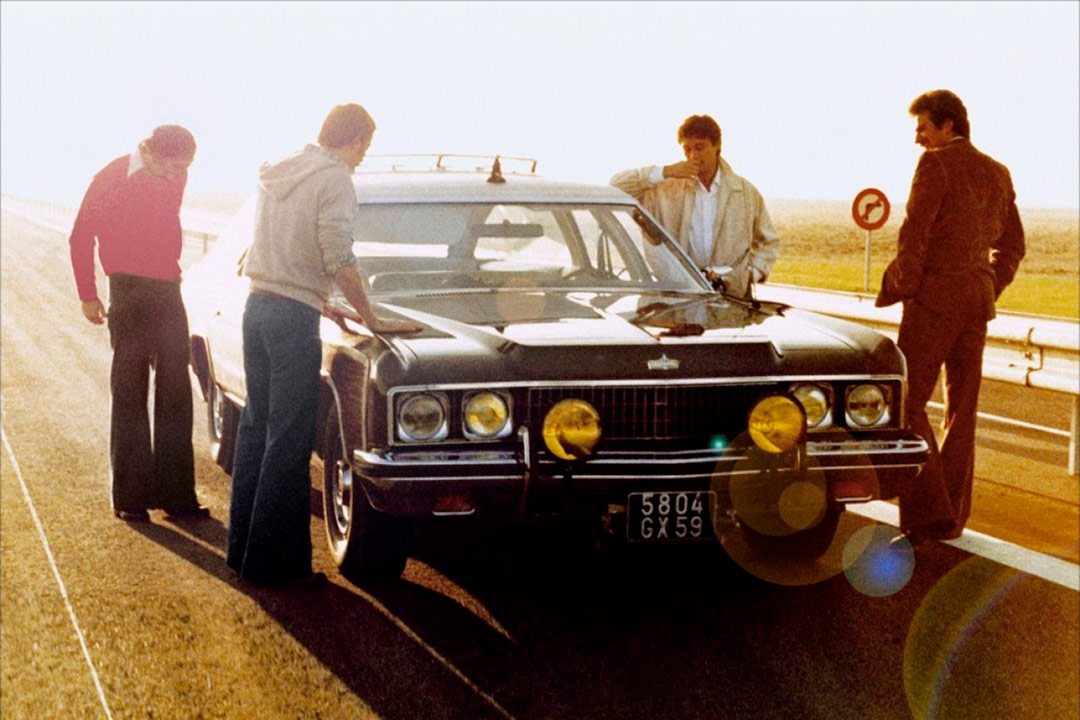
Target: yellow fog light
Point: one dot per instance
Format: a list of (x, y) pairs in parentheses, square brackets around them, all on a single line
[(777, 423), (486, 416), (572, 429)]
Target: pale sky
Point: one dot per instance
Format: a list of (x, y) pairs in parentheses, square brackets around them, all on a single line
[(812, 96)]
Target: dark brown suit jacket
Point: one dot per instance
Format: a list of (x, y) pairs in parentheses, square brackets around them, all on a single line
[(962, 240)]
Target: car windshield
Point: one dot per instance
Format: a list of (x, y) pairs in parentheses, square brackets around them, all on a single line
[(424, 247)]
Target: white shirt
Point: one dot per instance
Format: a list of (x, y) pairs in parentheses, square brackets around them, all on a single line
[(135, 162), (703, 218)]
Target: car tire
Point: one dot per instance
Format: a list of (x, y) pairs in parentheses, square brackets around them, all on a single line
[(368, 546), (806, 545), (222, 423)]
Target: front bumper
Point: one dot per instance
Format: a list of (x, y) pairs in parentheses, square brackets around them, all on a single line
[(525, 481)]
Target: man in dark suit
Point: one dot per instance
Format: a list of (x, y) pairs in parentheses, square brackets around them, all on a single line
[(958, 248)]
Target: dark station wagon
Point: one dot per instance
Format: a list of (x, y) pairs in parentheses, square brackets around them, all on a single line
[(574, 364)]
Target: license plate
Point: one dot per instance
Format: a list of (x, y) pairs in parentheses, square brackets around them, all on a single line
[(660, 516)]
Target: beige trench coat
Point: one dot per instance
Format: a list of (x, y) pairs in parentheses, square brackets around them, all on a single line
[(743, 236)]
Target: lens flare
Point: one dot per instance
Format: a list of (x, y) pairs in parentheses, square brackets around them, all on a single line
[(953, 660), (519, 301), (875, 567), (802, 504)]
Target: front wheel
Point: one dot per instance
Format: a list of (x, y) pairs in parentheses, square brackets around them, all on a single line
[(368, 546)]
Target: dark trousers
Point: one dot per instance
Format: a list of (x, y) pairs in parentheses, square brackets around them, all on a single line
[(939, 500), (148, 331), (270, 510)]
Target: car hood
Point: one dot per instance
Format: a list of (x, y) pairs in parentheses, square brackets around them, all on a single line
[(588, 335)]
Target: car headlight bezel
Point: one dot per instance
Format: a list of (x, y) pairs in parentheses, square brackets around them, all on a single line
[(407, 427), (473, 424), (854, 408), (817, 402)]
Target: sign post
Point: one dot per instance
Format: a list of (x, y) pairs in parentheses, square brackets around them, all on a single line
[(870, 210)]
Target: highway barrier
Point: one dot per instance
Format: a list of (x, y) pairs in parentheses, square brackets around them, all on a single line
[(1029, 350)]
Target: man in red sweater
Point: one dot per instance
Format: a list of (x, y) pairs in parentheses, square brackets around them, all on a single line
[(131, 211)]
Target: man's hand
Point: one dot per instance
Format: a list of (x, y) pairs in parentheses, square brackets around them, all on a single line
[(351, 283), (684, 169), (94, 311), (388, 325)]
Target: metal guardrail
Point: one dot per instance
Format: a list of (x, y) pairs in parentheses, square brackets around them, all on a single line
[(1026, 350)]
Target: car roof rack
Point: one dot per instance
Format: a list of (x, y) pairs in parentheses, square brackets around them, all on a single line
[(446, 162)]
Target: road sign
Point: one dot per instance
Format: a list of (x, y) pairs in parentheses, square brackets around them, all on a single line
[(870, 209)]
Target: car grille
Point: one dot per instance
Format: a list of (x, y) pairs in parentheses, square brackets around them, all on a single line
[(668, 412)]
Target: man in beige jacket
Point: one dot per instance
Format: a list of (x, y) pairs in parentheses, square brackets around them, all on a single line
[(716, 216)]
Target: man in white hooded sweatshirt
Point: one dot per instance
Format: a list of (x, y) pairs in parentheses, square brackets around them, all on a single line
[(716, 216), (302, 245)]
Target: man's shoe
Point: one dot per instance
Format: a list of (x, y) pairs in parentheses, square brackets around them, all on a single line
[(133, 516), (197, 512), (918, 538), (903, 541)]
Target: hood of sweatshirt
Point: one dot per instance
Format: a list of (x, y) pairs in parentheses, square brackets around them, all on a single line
[(279, 179)]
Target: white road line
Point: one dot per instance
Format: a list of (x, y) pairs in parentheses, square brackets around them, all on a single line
[(1047, 567), (415, 637), (399, 624), (56, 573), (1009, 421)]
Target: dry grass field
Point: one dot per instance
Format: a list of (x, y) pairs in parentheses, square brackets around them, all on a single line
[(822, 247)]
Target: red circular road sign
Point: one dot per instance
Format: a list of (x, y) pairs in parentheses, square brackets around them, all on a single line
[(870, 209)]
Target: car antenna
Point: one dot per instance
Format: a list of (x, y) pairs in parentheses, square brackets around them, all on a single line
[(496, 172)]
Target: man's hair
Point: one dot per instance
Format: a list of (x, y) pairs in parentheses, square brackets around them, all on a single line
[(344, 125), (942, 105), (171, 142), (699, 126)]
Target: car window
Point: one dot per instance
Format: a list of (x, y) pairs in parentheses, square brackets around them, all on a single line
[(466, 246)]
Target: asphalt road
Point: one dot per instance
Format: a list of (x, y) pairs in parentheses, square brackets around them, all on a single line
[(100, 619)]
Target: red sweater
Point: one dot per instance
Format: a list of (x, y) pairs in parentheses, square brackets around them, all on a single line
[(136, 221)]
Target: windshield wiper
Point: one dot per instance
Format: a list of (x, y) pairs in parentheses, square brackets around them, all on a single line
[(645, 313)]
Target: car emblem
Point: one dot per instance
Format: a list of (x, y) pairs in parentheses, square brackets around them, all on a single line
[(663, 363)]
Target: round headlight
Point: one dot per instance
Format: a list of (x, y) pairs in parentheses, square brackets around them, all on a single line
[(777, 423), (866, 405), (486, 415), (422, 417), (814, 401), (571, 429)]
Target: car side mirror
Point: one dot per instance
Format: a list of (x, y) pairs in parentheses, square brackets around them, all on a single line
[(717, 275)]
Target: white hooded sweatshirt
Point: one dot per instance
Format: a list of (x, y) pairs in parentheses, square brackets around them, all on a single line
[(304, 224)]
